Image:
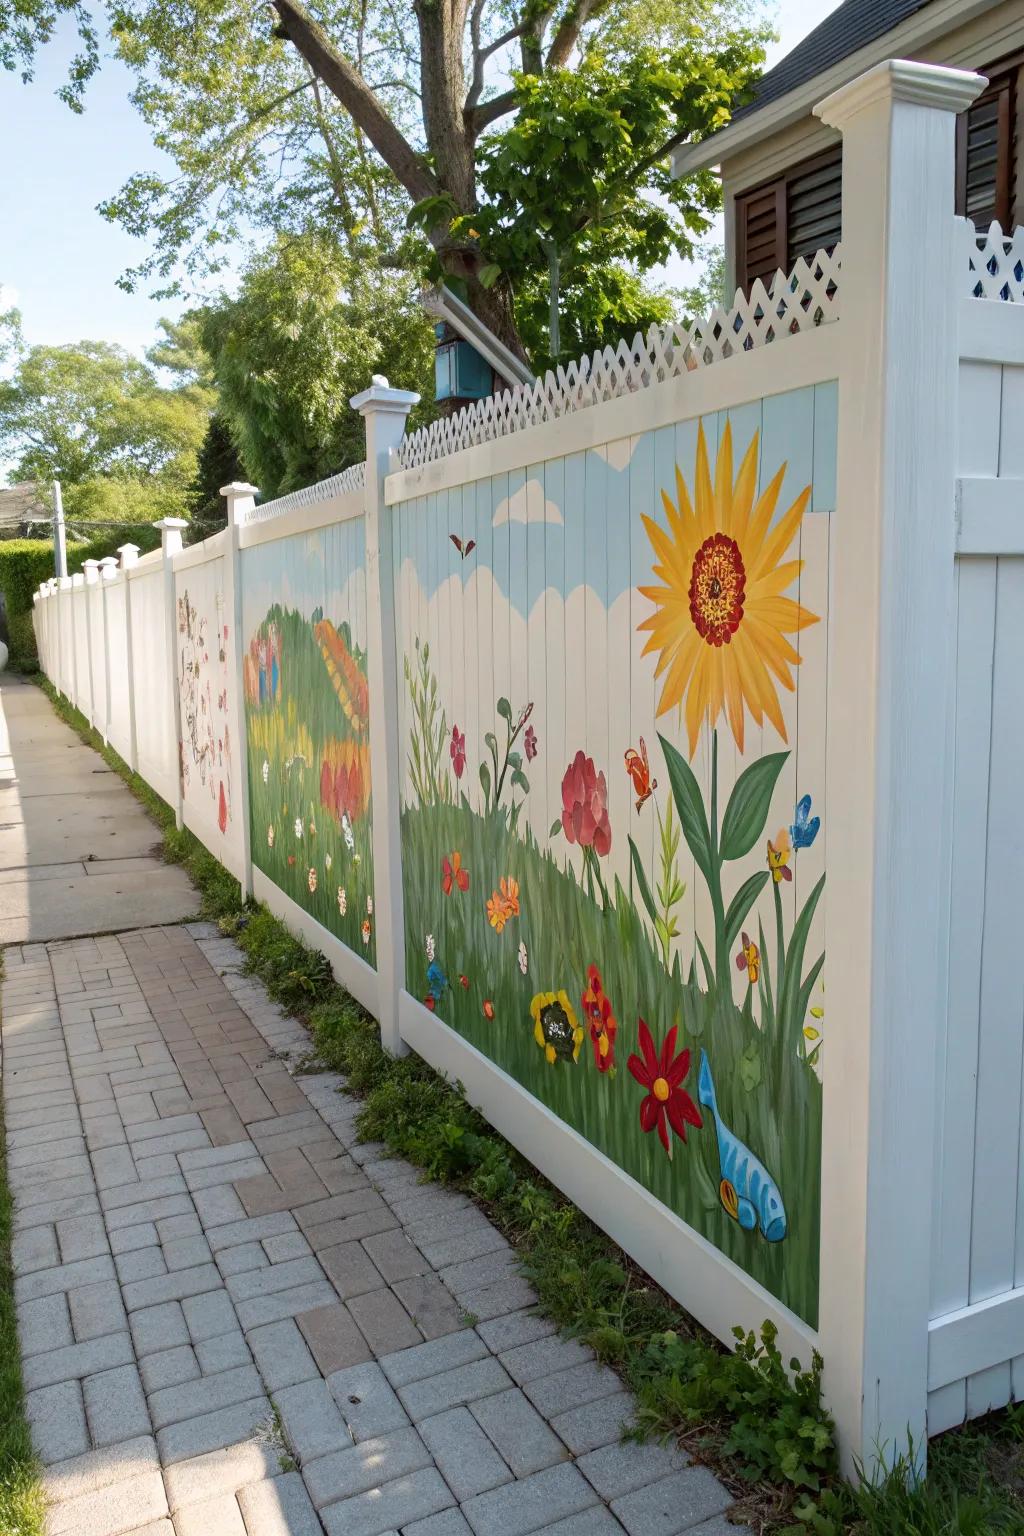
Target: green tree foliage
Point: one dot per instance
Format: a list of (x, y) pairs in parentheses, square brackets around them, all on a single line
[(338, 122), (578, 187), (307, 330), (217, 464), (708, 292), (98, 419)]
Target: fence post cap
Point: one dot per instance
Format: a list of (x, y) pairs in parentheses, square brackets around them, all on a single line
[(239, 488), (91, 570), (108, 566), (922, 85), (171, 522), (129, 555), (381, 397)]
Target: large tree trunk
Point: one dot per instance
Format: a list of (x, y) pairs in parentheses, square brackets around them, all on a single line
[(450, 135)]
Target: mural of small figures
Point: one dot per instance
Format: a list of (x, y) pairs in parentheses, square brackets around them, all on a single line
[(642, 960), (203, 667), (307, 718)]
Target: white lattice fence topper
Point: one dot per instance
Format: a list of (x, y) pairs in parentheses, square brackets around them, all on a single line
[(351, 479), (807, 297), (995, 263)]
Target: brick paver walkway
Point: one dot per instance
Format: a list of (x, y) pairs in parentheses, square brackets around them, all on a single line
[(237, 1321)]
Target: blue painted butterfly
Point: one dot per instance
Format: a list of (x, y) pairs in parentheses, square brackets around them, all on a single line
[(805, 827)]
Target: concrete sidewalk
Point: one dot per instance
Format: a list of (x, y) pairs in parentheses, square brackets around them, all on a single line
[(77, 851), (236, 1320)]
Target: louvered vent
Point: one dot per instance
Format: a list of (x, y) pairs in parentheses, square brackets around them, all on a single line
[(985, 156), (814, 207), (759, 217)]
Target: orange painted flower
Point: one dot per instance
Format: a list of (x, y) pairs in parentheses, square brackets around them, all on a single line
[(453, 874), (488, 1008), (510, 895), (721, 619), (503, 903), (601, 1021)]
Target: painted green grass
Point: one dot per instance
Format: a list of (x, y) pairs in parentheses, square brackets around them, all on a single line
[(296, 841), (290, 795), (565, 930)]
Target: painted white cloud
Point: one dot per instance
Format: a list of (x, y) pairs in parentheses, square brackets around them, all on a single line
[(524, 508)]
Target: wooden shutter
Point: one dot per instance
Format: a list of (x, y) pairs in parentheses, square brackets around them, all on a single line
[(986, 154), (795, 215), (814, 206), (760, 233)]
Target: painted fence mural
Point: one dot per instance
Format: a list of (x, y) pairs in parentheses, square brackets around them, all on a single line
[(613, 828), (205, 675), (307, 723)]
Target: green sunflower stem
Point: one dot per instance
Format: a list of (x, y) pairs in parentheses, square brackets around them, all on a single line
[(722, 974)]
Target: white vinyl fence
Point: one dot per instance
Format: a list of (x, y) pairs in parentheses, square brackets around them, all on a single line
[(590, 731)]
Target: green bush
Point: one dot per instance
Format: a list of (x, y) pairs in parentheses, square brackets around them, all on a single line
[(26, 563)]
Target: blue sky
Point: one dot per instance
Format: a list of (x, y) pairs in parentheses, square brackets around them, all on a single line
[(59, 260)]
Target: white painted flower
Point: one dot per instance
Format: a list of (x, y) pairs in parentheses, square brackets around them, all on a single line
[(369, 906), (431, 951), (298, 826), (311, 881), (524, 958), (346, 827), (266, 770), (328, 861), (342, 900), (270, 837), (366, 930)]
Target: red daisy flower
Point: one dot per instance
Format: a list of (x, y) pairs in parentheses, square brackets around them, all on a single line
[(452, 874), (667, 1102)]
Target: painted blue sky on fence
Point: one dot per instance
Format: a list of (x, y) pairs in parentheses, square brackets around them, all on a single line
[(547, 522)]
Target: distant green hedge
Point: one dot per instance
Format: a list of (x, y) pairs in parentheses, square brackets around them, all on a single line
[(26, 563)]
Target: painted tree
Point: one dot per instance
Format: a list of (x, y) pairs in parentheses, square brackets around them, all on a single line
[(344, 119)]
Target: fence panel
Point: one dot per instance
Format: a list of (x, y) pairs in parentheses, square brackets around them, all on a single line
[(211, 764), (586, 866), (153, 675), (119, 716), (304, 629), (82, 696), (97, 654)]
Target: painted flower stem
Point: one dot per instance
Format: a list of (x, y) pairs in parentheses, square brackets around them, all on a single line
[(723, 977)]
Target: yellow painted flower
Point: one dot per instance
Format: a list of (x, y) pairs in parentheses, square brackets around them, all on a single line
[(721, 620), (778, 856), (556, 1028)]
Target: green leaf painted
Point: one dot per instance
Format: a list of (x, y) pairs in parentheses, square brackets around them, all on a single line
[(642, 884), (556, 827), (747, 811), (750, 1067), (504, 709), (485, 780), (790, 1018), (741, 904), (690, 805)]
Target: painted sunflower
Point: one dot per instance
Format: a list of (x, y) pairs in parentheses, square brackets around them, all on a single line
[(721, 620), (556, 1028)]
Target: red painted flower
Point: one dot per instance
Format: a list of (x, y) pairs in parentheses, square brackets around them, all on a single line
[(464, 983), (667, 1102), (530, 743), (488, 1008), (597, 1010), (585, 806), (452, 874), (458, 751), (222, 811), (430, 1002)]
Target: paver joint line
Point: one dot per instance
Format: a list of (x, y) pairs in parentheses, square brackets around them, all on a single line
[(234, 1318)]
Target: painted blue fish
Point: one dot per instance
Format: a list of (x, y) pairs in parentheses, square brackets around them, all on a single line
[(748, 1192), (805, 826)]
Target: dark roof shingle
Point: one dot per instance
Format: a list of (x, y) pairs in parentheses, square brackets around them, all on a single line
[(852, 25)]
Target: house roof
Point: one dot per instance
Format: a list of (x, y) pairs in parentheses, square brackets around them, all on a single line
[(852, 25), (857, 35)]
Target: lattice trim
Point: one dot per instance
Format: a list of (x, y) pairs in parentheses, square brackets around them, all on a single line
[(995, 263), (351, 479), (808, 297)]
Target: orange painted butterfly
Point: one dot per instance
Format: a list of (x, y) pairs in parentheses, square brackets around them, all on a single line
[(463, 549), (639, 770)]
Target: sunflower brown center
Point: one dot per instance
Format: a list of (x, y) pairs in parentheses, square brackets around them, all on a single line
[(717, 589)]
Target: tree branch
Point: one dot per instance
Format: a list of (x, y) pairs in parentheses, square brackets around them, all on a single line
[(481, 55), (569, 29), (345, 82), (481, 117)]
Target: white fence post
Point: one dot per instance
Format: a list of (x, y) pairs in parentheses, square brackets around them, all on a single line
[(129, 557), (890, 677), (108, 570), (171, 545), (241, 499), (384, 411), (91, 572)]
